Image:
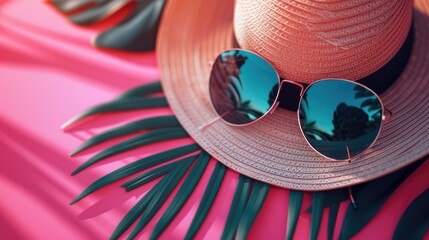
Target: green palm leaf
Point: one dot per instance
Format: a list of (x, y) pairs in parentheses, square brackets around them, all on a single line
[(145, 139), (137, 166), (247, 199), (138, 31), (415, 221), (142, 91), (182, 195), (144, 124), (331, 199), (316, 213), (66, 6), (207, 200), (120, 105), (160, 196), (238, 204), (256, 200), (333, 213), (98, 12), (370, 197), (295, 203), (152, 201), (150, 175), (139, 208)]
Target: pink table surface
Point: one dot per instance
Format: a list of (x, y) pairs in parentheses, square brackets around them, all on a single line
[(48, 73)]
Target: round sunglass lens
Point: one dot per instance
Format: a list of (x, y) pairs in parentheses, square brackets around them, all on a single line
[(340, 119), (243, 86)]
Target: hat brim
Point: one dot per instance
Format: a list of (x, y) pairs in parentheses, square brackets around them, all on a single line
[(273, 150)]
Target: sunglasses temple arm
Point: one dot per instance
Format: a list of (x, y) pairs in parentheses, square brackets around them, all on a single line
[(352, 199), (204, 126), (387, 116)]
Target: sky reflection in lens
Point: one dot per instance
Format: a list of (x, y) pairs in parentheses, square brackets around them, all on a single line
[(340, 118), (243, 86)]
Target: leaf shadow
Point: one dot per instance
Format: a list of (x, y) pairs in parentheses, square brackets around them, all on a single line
[(36, 167), (56, 51)]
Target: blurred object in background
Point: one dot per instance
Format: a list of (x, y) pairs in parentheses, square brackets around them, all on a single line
[(136, 33)]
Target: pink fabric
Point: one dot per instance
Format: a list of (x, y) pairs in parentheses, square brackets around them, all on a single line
[(48, 73)]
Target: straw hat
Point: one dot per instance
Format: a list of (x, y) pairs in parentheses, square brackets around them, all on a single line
[(305, 40)]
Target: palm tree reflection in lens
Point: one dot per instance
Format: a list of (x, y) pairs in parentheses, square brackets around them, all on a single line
[(236, 94), (340, 119)]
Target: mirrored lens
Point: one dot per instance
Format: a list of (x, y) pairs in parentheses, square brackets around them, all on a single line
[(340, 119), (243, 86)]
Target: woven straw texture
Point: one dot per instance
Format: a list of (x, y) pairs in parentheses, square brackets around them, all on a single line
[(306, 40), (273, 150)]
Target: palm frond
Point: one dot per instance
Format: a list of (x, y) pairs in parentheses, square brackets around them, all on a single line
[(138, 31), (255, 202), (139, 141), (118, 106), (142, 91), (150, 175), (331, 199), (151, 202), (137, 166), (238, 205), (160, 196), (317, 207), (207, 200), (249, 194), (135, 96), (414, 223), (333, 213), (67, 6), (182, 195), (370, 197), (295, 203), (98, 12), (144, 124)]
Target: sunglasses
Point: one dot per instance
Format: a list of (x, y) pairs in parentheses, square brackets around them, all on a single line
[(339, 118)]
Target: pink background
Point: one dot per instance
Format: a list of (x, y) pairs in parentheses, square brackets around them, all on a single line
[(48, 73)]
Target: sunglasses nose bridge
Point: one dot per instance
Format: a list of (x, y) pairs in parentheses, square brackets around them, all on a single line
[(294, 83)]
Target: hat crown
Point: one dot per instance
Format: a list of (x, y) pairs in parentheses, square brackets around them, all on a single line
[(309, 40)]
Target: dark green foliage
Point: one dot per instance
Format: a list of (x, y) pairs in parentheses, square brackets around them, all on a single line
[(98, 12), (333, 212), (137, 166), (249, 195), (167, 185), (138, 31), (182, 195), (138, 209), (316, 213), (207, 200), (120, 105), (414, 223), (331, 199), (238, 205), (73, 5), (152, 201), (150, 175), (137, 98), (370, 197), (144, 139), (142, 91), (254, 205), (295, 203), (136, 126)]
